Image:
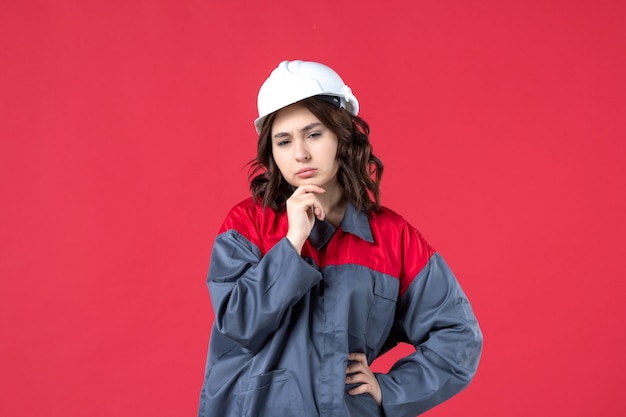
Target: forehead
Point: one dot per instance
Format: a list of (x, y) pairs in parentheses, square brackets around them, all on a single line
[(293, 117)]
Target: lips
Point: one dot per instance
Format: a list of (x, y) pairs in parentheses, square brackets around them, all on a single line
[(306, 172)]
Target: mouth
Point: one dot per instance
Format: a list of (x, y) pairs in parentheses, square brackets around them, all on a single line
[(306, 172)]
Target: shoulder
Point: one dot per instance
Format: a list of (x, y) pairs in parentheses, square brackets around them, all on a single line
[(244, 213), (258, 224), (389, 219), (247, 205), (414, 250), (388, 216)]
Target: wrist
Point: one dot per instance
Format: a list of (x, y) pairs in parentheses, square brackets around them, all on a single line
[(296, 243)]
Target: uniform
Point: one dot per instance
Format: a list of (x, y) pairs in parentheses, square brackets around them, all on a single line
[(285, 324)]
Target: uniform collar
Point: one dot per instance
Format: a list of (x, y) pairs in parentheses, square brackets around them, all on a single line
[(354, 222)]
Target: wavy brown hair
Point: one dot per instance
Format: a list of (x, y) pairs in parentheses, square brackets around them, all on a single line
[(359, 172)]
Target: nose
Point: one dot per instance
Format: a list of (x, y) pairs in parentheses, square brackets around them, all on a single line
[(301, 152)]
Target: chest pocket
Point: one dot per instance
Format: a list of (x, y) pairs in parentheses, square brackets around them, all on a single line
[(382, 311)]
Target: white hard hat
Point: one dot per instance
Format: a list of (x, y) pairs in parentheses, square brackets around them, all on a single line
[(293, 81)]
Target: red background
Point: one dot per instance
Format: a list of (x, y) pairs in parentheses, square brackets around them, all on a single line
[(125, 127)]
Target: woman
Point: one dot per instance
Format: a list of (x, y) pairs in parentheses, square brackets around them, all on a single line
[(311, 279)]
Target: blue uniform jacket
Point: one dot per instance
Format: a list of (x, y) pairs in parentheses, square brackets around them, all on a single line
[(285, 323)]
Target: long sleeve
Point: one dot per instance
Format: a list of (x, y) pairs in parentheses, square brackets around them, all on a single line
[(250, 293), (435, 316)]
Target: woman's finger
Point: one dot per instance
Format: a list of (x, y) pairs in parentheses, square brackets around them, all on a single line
[(309, 188), (358, 356), (305, 201), (303, 207), (359, 372)]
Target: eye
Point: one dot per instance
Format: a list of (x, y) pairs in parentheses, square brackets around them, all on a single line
[(283, 142), (314, 135)]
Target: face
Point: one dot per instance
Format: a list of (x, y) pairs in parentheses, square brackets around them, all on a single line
[(304, 149)]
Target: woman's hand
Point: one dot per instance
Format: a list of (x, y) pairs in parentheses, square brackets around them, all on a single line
[(359, 372), (302, 208)]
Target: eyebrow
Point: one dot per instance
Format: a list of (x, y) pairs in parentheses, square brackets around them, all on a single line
[(306, 128)]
